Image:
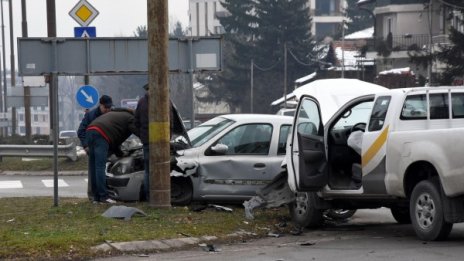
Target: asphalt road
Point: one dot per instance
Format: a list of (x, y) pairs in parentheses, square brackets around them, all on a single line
[(33, 186), (370, 235)]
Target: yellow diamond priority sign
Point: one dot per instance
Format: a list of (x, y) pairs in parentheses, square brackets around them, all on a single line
[(83, 12)]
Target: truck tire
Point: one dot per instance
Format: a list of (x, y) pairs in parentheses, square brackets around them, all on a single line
[(303, 212), (401, 215), (426, 212)]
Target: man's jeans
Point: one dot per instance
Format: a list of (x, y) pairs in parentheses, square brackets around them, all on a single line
[(146, 165), (98, 154)]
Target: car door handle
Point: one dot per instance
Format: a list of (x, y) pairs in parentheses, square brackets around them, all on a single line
[(259, 165)]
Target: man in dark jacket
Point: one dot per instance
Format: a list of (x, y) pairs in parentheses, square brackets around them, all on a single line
[(105, 104), (105, 134)]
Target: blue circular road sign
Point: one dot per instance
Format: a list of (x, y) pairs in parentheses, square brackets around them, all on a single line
[(87, 96)]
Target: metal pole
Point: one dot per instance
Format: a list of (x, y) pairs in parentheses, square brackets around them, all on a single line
[(53, 94), (159, 104), (429, 67), (343, 48), (12, 54), (27, 89), (4, 62), (285, 75), (251, 86), (191, 69)]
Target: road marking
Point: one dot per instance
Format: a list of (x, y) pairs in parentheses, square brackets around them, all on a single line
[(49, 183), (11, 184)]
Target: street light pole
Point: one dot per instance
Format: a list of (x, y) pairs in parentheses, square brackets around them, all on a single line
[(12, 54)]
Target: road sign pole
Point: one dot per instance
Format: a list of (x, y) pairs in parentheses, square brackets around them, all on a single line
[(158, 105)]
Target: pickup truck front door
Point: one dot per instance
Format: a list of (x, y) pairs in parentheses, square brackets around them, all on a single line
[(308, 157)]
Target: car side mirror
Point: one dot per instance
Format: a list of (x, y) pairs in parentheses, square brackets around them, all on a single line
[(220, 149)]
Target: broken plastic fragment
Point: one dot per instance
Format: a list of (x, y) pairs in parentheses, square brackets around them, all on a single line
[(122, 212)]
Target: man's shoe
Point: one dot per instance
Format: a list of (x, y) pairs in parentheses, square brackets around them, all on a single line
[(108, 201)]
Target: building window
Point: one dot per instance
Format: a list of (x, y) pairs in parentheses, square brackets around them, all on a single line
[(36, 117), (37, 130), (22, 129), (44, 118), (21, 117)]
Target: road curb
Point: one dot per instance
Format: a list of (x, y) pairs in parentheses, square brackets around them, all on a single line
[(152, 245), (166, 244)]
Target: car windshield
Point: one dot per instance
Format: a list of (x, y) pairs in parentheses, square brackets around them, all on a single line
[(201, 134), (68, 134)]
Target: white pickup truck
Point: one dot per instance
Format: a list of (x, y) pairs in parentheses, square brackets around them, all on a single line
[(402, 149)]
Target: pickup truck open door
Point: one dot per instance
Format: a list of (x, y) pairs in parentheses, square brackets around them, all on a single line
[(308, 167)]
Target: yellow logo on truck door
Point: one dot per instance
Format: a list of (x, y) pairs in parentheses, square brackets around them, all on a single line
[(375, 147)]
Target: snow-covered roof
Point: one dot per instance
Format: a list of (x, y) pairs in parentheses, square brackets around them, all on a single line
[(363, 34), (405, 70), (360, 2), (351, 58), (306, 78)]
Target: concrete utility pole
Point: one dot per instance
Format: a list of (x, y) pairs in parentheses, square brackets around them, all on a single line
[(158, 105)]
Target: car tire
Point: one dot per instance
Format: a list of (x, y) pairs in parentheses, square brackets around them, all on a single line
[(401, 215), (303, 212), (426, 211), (340, 214), (181, 191)]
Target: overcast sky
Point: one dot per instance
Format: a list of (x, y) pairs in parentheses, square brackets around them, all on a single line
[(116, 17)]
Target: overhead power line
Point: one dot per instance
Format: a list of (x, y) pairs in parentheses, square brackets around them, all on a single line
[(268, 68), (451, 5)]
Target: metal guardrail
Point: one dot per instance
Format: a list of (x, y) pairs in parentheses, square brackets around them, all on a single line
[(68, 151)]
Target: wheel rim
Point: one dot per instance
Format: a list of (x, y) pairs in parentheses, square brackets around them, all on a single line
[(301, 203), (425, 211)]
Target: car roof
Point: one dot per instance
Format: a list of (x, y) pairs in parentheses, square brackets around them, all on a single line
[(244, 118)]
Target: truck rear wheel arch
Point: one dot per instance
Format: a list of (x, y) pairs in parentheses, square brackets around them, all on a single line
[(417, 172)]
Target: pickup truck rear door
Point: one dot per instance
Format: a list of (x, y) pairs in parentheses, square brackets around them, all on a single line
[(308, 165)]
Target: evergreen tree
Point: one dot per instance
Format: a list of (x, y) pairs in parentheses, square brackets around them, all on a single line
[(452, 55), (257, 30), (360, 17), (178, 31)]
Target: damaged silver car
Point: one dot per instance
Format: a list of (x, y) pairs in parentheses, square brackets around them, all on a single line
[(231, 157)]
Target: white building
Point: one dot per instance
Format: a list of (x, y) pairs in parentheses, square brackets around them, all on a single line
[(327, 15)]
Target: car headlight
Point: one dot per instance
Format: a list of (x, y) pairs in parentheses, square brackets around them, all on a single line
[(123, 166)]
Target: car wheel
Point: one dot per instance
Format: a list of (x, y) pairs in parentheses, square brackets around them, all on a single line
[(426, 211), (303, 212), (181, 191), (401, 215), (340, 214)]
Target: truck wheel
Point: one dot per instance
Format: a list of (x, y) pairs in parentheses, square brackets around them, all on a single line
[(302, 211), (401, 215), (181, 191), (426, 211)]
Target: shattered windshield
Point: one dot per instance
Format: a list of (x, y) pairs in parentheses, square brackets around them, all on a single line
[(201, 134)]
